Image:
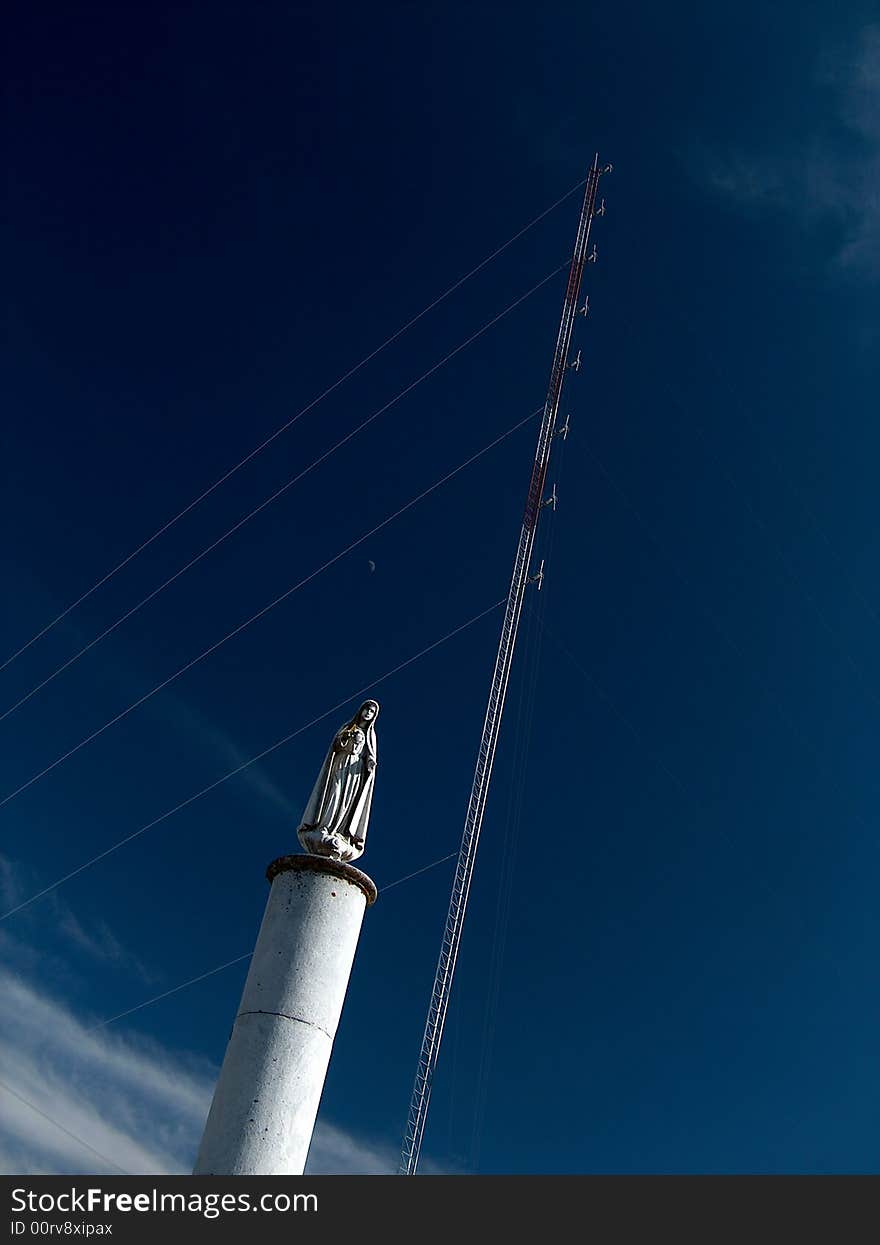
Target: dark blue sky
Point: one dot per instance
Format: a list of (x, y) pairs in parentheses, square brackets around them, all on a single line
[(670, 961)]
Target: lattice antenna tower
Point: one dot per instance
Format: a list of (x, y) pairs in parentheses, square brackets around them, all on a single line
[(535, 502)]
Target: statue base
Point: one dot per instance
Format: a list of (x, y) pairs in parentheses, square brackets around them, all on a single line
[(323, 865), (320, 842)]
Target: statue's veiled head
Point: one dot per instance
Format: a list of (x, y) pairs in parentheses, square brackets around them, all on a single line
[(368, 712)]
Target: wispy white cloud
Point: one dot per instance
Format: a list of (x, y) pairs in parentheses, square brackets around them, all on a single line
[(96, 1091), (94, 939), (101, 943), (254, 777), (126, 1098), (829, 177), (218, 742), (11, 888), (334, 1152)]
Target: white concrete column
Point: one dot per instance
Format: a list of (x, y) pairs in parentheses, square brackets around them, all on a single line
[(269, 1088)]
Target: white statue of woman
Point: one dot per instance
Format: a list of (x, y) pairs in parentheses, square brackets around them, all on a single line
[(335, 821)]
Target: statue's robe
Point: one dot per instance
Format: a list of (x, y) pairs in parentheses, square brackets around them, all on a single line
[(342, 795)]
